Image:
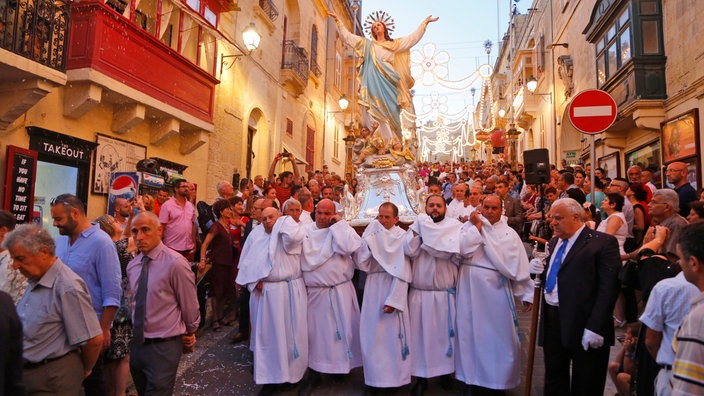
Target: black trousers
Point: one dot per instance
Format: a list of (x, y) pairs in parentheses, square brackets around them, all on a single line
[(94, 384), (588, 374), (153, 366), (244, 311)]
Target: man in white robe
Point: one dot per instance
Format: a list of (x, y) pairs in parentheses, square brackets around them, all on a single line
[(333, 310), (270, 268), (494, 269), (455, 209), (472, 200), (435, 249), (385, 325)]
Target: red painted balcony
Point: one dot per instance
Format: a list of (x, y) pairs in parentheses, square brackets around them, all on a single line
[(103, 41)]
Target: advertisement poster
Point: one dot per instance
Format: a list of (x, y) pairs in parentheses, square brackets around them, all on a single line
[(122, 185)]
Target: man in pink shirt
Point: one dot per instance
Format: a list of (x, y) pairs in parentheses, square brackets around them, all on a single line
[(177, 217), (165, 313)]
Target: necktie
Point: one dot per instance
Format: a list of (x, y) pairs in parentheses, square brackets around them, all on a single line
[(555, 267), (140, 304)]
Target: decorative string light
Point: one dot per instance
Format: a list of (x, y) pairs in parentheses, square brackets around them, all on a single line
[(437, 131)]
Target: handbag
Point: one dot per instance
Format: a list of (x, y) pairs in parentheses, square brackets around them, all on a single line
[(652, 270), (628, 274)]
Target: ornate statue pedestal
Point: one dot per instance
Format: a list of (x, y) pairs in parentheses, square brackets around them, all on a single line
[(395, 184)]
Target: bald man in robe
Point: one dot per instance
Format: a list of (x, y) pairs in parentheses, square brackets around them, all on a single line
[(333, 310), (385, 328), (494, 269), (270, 269)]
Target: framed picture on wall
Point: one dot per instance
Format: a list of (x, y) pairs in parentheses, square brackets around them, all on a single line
[(693, 171), (114, 155), (680, 137), (648, 158), (611, 164)]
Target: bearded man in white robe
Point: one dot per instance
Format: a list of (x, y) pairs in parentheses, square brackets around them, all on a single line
[(494, 269), (333, 310), (385, 328), (435, 249), (270, 268)]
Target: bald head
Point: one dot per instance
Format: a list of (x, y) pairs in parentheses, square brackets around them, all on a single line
[(491, 208), (323, 212), (269, 217)]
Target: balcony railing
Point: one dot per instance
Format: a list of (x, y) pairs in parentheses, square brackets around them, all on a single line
[(269, 9), (295, 59), (315, 69), (36, 29)]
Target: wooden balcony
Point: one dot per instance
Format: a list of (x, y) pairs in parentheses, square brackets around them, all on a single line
[(109, 53)]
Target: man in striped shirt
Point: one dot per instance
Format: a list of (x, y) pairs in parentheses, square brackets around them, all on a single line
[(688, 367)]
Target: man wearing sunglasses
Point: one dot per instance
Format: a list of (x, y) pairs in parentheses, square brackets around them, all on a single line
[(91, 254)]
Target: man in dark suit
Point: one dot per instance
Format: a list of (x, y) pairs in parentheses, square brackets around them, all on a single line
[(513, 210), (581, 287)]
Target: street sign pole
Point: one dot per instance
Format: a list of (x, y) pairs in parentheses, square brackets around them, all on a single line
[(592, 155)]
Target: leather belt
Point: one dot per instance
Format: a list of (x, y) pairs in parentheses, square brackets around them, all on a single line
[(27, 365), (666, 367), (158, 340)]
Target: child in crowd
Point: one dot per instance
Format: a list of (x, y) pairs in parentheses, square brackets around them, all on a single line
[(622, 369)]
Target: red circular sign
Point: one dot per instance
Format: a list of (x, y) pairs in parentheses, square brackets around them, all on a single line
[(592, 111)]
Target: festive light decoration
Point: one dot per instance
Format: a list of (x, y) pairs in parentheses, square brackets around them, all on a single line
[(434, 104), (484, 118), (429, 65), (436, 132)]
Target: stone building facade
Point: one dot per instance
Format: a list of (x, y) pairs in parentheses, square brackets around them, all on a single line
[(91, 87), (645, 53)]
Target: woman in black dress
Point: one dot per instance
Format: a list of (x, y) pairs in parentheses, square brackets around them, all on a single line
[(217, 248)]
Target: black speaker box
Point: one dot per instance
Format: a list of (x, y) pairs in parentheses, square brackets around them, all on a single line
[(537, 166)]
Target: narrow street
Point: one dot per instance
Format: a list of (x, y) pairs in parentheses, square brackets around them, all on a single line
[(218, 367)]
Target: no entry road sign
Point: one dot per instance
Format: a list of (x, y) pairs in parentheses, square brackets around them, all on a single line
[(592, 111)]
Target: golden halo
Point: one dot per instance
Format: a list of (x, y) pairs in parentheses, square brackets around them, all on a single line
[(379, 16)]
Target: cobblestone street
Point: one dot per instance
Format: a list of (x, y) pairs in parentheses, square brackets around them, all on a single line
[(219, 368)]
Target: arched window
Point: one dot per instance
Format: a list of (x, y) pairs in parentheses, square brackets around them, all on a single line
[(314, 52)]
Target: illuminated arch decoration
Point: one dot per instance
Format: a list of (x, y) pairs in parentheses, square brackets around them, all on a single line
[(435, 131), (435, 104), (484, 118), (429, 67)]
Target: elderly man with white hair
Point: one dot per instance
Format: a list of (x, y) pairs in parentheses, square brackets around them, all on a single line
[(663, 209), (292, 207), (581, 286)]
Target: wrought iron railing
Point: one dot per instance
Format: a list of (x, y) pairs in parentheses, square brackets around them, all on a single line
[(36, 29), (295, 59), (269, 9)]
